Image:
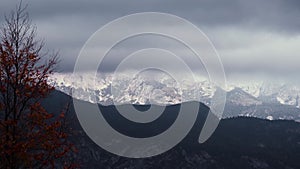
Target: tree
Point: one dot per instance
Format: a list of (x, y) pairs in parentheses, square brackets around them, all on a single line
[(30, 137)]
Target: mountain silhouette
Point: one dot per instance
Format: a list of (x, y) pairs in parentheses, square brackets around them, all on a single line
[(241, 142)]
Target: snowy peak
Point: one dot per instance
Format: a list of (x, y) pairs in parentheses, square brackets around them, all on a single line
[(160, 89), (238, 96), (142, 89)]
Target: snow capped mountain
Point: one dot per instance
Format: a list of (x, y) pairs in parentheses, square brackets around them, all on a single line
[(252, 88), (270, 92), (142, 89), (161, 89), (238, 96), (259, 99)]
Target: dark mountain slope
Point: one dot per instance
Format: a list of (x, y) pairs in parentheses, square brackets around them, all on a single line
[(237, 143)]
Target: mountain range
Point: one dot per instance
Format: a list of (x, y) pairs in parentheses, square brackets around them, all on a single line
[(257, 99), (238, 142)]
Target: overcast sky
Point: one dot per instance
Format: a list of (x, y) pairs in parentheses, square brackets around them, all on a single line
[(254, 38)]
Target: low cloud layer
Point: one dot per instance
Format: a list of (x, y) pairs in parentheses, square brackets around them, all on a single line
[(253, 38)]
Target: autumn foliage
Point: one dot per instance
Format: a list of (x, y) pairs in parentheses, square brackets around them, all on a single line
[(30, 137)]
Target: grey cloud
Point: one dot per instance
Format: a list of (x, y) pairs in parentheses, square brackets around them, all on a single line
[(236, 27), (272, 14)]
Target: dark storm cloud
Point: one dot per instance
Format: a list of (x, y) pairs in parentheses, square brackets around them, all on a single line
[(270, 14), (251, 36), (275, 14)]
